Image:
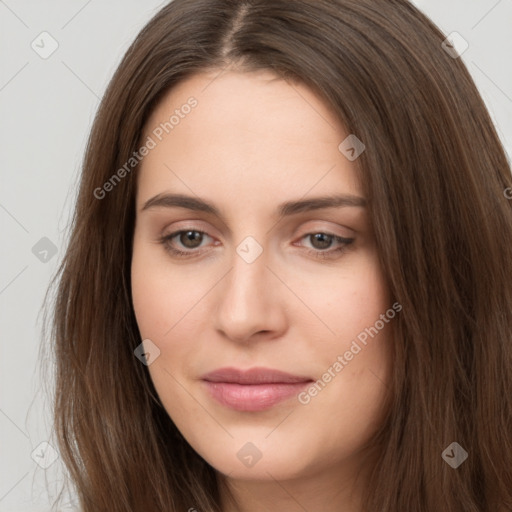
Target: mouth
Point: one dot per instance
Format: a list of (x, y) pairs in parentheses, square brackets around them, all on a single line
[(256, 389)]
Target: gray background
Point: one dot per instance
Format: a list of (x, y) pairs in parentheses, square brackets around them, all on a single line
[(46, 110)]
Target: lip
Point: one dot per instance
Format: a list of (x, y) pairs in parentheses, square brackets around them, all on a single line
[(255, 389)]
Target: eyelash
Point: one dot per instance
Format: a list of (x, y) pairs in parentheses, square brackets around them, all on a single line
[(320, 254)]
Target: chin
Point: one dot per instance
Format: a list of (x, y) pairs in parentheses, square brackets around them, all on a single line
[(258, 460)]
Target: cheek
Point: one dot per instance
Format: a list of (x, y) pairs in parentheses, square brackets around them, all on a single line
[(348, 300), (163, 303), (354, 364), (163, 295), (170, 310), (145, 296)]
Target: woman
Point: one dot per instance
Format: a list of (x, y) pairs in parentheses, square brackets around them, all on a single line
[(288, 280)]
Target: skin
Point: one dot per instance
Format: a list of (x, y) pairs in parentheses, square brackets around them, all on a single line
[(252, 142)]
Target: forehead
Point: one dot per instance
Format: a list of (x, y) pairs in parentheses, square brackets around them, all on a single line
[(251, 135)]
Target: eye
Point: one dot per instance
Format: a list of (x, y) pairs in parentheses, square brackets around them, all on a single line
[(189, 238), (322, 241)]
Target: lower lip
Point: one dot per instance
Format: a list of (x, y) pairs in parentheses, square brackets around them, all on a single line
[(253, 397)]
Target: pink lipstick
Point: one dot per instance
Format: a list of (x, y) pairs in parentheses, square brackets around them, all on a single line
[(256, 389)]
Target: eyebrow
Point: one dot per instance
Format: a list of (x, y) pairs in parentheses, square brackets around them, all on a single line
[(285, 209)]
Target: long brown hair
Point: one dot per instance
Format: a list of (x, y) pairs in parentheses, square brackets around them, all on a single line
[(435, 175)]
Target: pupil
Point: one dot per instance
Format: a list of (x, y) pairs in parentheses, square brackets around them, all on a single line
[(190, 236), (325, 240)]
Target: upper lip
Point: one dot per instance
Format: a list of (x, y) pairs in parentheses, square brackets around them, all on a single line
[(256, 375)]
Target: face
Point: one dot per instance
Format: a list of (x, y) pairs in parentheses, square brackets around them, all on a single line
[(268, 316)]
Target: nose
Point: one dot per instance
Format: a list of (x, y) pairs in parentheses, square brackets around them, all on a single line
[(251, 301)]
